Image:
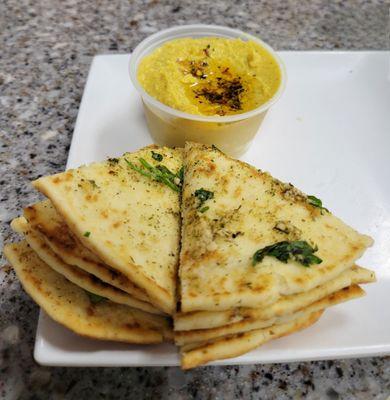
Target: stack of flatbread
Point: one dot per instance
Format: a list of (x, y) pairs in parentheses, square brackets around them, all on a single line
[(231, 257), (100, 255), (259, 259)]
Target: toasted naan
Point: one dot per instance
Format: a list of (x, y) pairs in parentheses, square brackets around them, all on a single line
[(129, 220), (194, 355), (74, 274), (200, 335), (230, 210), (72, 307), (285, 305), (44, 218)]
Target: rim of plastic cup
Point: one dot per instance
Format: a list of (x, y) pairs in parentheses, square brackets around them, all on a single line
[(199, 30)]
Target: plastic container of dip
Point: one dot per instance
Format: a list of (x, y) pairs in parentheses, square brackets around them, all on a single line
[(232, 134)]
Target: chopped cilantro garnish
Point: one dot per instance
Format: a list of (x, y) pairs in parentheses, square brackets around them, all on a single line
[(157, 156), (180, 175), (160, 174), (298, 250), (204, 209), (203, 195), (87, 234), (315, 202)]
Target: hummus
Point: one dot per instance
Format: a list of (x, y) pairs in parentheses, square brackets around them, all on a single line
[(210, 76)]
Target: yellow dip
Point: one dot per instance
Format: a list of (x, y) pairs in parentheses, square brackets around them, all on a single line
[(210, 76)]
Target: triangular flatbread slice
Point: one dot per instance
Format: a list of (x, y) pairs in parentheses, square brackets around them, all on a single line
[(74, 274), (72, 307), (127, 211), (343, 295), (43, 218), (248, 239), (285, 305), (194, 355)]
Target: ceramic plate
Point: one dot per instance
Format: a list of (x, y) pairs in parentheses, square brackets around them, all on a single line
[(329, 135)]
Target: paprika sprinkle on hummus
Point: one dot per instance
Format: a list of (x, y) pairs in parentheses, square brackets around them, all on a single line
[(210, 76)]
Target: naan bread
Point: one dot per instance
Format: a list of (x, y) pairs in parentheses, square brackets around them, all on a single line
[(247, 211), (235, 345), (44, 218), (76, 275), (346, 294), (71, 306), (128, 220), (285, 305)]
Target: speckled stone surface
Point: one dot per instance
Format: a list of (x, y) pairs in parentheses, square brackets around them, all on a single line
[(46, 49)]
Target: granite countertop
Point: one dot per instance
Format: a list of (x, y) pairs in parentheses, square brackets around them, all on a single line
[(47, 48)]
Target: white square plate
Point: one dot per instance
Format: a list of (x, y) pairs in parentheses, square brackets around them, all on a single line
[(329, 135)]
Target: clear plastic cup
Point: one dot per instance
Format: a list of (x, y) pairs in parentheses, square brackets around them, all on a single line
[(232, 134)]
